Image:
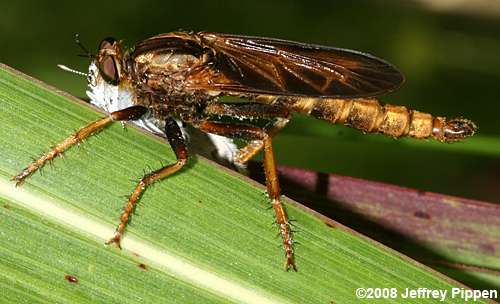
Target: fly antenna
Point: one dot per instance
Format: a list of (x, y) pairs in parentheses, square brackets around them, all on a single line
[(67, 69), (84, 49)]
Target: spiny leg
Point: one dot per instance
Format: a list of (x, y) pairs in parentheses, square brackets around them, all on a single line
[(131, 113), (176, 140), (251, 110), (274, 191), (254, 146), (272, 183)]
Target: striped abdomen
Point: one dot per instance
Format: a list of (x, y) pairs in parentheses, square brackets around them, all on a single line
[(368, 115)]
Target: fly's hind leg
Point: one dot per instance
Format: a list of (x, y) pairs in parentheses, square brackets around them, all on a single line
[(254, 133), (251, 110), (131, 113), (254, 146), (177, 142)]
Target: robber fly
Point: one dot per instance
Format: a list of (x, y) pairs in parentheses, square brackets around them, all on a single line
[(179, 77)]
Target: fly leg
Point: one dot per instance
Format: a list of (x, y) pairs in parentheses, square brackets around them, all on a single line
[(251, 110), (131, 113), (254, 133), (177, 142), (254, 146)]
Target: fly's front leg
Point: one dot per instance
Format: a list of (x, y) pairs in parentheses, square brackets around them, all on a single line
[(272, 183), (176, 140), (131, 113)]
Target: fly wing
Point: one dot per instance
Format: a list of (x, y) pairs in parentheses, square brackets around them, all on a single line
[(256, 65)]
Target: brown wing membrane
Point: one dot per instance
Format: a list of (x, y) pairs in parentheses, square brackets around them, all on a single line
[(277, 67)]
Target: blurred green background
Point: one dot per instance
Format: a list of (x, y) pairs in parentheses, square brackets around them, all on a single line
[(451, 59)]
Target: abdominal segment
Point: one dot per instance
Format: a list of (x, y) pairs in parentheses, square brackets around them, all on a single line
[(369, 115)]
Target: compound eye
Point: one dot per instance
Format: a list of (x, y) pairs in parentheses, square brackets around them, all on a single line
[(108, 69), (107, 64)]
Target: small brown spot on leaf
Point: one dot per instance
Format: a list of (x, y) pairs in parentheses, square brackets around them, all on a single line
[(142, 266), (6, 206), (71, 279), (422, 215), (330, 225)]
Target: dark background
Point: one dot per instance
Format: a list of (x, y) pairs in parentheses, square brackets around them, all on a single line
[(451, 59)]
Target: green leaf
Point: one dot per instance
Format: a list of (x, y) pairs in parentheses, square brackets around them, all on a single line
[(204, 235)]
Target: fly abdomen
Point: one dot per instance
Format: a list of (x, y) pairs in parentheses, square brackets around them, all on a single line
[(369, 116)]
